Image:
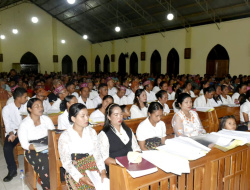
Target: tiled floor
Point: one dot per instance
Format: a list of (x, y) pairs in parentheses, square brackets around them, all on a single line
[(15, 183)]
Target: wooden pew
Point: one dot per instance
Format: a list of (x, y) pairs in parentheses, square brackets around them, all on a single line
[(225, 110), (209, 121), (170, 103), (217, 170), (30, 175), (2, 104)]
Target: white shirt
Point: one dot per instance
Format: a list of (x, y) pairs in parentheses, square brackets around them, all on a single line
[(11, 100), (89, 103), (236, 95), (63, 121), (215, 104), (175, 108), (192, 94), (56, 105), (97, 116), (12, 117), (120, 101), (131, 97), (150, 96), (75, 94), (172, 96), (246, 109), (28, 131), (201, 102), (227, 100), (97, 100), (128, 91), (104, 142), (93, 94), (165, 108), (112, 91), (156, 89), (137, 113), (46, 104), (70, 142), (146, 130), (201, 92)]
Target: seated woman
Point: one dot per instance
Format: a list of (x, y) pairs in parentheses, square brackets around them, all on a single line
[(34, 129), (99, 114), (63, 119), (178, 92), (157, 85), (78, 150), (205, 100), (188, 89), (126, 112), (116, 139), (140, 106), (186, 122), (151, 132), (245, 107), (162, 97), (205, 84), (240, 89), (175, 87), (226, 99), (216, 100)]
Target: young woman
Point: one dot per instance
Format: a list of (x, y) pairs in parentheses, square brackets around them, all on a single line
[(186, 122), (140, 106), (162, 97), (151, 133), (226, 99), (205, 84), (78, 149), (157, 85), (170, 86), (217, 100), (188, 89), (84, 96), (240, 89), (34, 129), (63, 120), (99, 114), (116, 139), (205, 100), (245, 107), (175, 87)]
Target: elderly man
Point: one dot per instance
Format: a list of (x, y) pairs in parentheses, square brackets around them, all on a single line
[(52, 96)]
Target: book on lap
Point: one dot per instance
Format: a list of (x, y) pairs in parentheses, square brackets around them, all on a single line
[(136, 170), (39, 147)]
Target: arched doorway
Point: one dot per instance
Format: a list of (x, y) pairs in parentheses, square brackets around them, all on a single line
[(29, 63), (155, 63), (173, 62), (67, 65), (133, 64), (218, 61), (97, 64), (106, 64), (82, 65), (122, 65)]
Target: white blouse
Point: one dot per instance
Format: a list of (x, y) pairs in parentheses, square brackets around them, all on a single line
[(146, 130), (131, 97), (246, 109), (215, 104), (89, 103), (97, 100), (97, 116), (156, 89), (227, 100), (28, 131), (120, 101), (172, 96), (235, 96), (137, 113), (184, 126), (166, 109), (93, 94), (112, 91), (63, 121), (70, 142), (75, 94), (150, 96), (104, 142), (201, 102), (56, 105)]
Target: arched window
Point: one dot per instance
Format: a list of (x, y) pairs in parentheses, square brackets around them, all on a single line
[(97, 64), (133, 64), (173, 62), (217, 61), (29, 63), (122, 64), (155, 63), (82, 65), (106, 64), (67, 67)]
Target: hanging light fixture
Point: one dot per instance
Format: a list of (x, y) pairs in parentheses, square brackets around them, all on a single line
[(85, 36), (63, 41), (71, 1), (117, 28), (14, 31), (34, 19), (170, 15)]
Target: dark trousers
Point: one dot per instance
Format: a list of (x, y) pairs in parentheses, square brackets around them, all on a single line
[(9, 155)]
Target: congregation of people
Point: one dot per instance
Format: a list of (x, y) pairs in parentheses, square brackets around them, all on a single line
[(31, 97)]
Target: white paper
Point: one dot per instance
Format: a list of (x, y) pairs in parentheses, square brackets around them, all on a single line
[(239, 135), (204, 109), (96, 179), (40, 147)]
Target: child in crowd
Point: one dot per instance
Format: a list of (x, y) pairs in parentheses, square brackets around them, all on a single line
[(229, 122)]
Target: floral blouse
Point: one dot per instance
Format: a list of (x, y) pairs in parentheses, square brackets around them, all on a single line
[(184, 126)]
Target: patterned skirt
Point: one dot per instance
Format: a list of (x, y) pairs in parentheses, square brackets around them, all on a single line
[(82, 162), (152, 143)]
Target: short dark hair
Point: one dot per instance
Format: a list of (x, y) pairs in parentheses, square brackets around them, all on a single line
[(69, 84), (104, 98), (162, 83), (63, 105), (75, 109), (160, 94), (136, 101), (208, 89), (102, 85), (181, 98), (154, 106), (19, 92), (223, 121), (31, 102)]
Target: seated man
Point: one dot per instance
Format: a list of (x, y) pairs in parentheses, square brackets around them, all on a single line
[(119, 97), (84, 96), (12, 119), (148, 89), (103, 91)]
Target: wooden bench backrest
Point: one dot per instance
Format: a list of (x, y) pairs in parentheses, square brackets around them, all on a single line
[(2, 104), (225, 110)]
